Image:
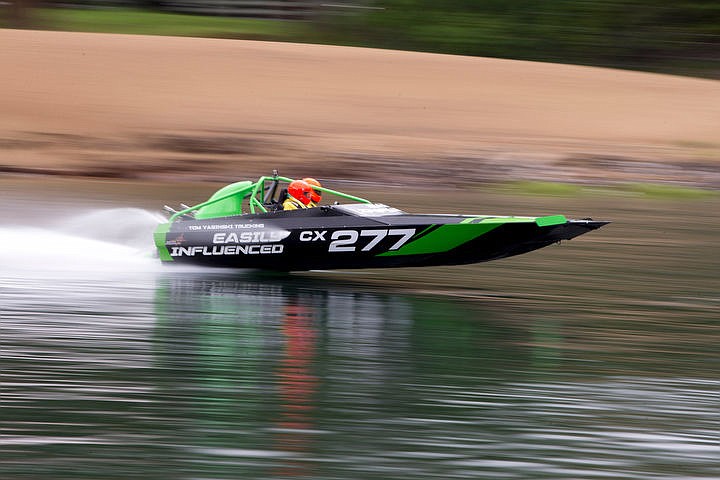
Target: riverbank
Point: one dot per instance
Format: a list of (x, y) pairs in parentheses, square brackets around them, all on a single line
[(168, 108)]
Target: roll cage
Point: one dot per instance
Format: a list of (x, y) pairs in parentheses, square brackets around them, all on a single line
[(264, 195)]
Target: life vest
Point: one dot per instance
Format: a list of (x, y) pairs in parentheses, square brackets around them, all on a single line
[(292, 204)]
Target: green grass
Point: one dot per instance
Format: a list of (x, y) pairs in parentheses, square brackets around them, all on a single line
[(649, 190), (128, 21), (654, 190)]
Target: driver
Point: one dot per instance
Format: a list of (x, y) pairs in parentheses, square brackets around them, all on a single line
[(315, 195), (299, 194)]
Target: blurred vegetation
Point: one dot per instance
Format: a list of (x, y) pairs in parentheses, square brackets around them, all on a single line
[(664, 191), (682, 37), (673, 37), (143, 22)]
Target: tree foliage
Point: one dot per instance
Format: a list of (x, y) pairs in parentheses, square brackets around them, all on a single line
[(623, 33)]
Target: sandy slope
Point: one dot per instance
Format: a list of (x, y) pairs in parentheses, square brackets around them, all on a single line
[(113, 104)]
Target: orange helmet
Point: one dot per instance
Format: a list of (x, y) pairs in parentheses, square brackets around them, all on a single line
[(315, 195), (300, 191)]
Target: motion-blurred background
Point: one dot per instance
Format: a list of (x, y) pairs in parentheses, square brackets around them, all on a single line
[(209, 108), (674, 37), (590, 360)]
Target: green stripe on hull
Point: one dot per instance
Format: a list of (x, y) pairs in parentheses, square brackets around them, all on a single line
[(160, 237), (443, 239), (551, 220), (539, 221), (492, 220)]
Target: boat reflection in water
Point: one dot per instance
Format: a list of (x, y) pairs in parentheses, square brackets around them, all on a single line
[(274, 377), (282, 374)]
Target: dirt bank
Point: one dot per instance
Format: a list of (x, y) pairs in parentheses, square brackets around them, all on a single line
[(161, 107)]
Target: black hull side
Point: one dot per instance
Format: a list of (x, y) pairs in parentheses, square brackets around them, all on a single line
[(504, 241)]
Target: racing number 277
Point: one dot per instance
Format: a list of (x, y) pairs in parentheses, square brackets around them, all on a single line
[(345, 240)]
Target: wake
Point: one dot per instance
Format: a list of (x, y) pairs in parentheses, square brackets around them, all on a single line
[(111, 240)]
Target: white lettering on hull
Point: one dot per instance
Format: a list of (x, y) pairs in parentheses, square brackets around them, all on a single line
[(258, 236), (265, 249)]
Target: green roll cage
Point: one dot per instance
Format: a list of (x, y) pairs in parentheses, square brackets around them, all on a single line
[(258, 195)]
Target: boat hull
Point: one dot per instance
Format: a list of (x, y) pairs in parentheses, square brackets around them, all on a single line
[(331, 238)]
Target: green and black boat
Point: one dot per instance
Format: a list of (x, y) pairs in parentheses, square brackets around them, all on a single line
[(243, 225)]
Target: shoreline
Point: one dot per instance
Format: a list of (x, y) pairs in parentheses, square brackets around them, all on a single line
[(215, 158), (172, 108)]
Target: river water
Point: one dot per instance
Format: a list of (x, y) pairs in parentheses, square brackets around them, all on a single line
[(598, 359)]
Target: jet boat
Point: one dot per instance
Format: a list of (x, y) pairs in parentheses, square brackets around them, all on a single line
[(242, 225)]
